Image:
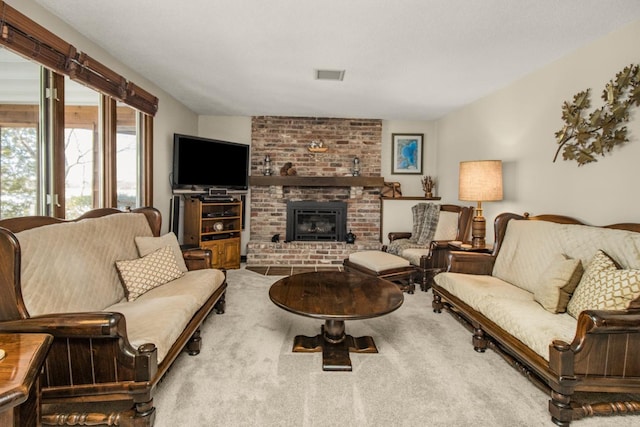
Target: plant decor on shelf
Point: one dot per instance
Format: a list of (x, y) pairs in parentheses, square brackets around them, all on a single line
[(428, 184), (583, 137)]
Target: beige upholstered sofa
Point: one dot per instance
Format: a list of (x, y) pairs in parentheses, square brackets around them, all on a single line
[(112, 343), (561, 302)]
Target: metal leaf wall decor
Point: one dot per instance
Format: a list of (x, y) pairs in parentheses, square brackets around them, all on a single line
[(587, 135)]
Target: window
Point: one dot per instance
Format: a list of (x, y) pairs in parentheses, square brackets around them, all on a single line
[(128, 157), (82, 172), (74, 134), (19, 136)]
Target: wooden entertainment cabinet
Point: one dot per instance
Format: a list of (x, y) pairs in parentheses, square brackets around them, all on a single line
[(215, 225)]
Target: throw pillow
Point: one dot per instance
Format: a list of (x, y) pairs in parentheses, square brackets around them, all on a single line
[(557, 283), (143, 274), (146, 245), (604, 287)]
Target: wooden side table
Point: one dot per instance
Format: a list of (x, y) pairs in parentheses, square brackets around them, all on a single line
[(19, 378), (468, 248)]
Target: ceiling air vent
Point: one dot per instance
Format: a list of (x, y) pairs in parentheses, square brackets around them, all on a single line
[(337, 75)]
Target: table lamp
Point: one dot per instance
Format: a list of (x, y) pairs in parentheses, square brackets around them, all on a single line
[(480, 181)]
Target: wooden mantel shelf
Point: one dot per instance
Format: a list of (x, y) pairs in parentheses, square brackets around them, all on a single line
[(317, 181)]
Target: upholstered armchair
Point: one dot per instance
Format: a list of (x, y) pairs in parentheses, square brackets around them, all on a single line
[(426, 246)]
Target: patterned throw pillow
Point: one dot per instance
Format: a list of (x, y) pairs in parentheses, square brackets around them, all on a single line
[(604, 287), (557, 283), (143, 274)]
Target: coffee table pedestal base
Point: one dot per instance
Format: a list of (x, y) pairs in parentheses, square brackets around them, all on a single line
[(335, 345)]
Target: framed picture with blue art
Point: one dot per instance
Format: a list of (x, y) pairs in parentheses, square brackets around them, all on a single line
[(406, 153)]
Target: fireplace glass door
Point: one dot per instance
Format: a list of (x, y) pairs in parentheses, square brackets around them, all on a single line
[(316, 221)]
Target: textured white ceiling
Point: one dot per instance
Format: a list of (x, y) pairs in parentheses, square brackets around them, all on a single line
[(404, 59)]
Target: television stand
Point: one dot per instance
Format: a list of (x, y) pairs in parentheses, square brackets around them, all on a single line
[(217, 225)]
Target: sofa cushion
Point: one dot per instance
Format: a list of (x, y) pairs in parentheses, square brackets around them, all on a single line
[(511, 308), (146, 245), (557, 283), (472, 288), (160, 315), (529, 247), (605, 287), (198, 284), (143, 274), (529, 322), (70, 267), (413, 255)]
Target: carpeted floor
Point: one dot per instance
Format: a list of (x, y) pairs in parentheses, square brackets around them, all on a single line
[(426, 373)]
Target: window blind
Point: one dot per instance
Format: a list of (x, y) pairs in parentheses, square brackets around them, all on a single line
[(27, 38)]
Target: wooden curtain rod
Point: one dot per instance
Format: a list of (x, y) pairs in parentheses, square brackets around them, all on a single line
[(34, 42)]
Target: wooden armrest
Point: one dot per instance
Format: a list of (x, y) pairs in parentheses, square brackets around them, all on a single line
[(395, 235), (598, 332), (89, 332), (71, 325), (440, 244), (608, 322), (195, 253), (437, 245), (197, 258), (437, 256), (470, 262)]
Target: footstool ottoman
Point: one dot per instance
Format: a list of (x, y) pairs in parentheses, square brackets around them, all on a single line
[(385, 266)]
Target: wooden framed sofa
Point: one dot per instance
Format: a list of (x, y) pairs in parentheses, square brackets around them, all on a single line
[(112, 343), (560, 301), (429, 258)]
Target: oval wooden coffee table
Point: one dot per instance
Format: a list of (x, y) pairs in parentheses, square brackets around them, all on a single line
[(335, 296)]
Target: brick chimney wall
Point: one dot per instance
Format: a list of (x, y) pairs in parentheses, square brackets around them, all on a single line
[(286, 139)]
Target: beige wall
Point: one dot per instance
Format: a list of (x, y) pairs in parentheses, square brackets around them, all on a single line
[(517, 125), (172, 116)]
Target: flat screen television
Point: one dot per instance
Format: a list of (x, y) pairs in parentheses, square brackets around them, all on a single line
[(203, 163)]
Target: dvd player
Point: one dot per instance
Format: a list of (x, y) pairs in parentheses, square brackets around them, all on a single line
[(217, 198), (217, 237)]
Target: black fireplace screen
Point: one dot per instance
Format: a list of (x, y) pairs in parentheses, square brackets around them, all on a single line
[(316, 221)]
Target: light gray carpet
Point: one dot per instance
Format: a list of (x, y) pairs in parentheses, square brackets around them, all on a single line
[(426, 373)]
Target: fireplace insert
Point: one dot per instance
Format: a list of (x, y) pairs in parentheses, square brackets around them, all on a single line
[(316, 221)]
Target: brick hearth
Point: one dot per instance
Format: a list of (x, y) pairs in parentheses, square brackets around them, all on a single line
[(303, 253), (286, 139)]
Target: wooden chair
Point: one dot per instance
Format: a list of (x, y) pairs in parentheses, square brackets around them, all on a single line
[(432, 259)]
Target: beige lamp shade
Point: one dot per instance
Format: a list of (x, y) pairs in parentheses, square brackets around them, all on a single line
[(480, 181)]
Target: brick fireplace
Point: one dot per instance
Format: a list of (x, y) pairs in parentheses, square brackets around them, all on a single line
[(321, 176)]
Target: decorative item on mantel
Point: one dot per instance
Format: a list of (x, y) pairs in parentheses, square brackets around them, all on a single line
[(288, 170), (266, 169), (355, 171), (317, 147), (428, 184)]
